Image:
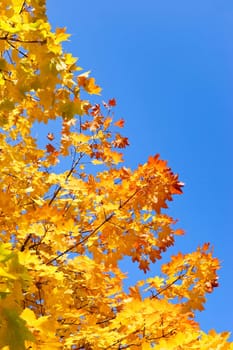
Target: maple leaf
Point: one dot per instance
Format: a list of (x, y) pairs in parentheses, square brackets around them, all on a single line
[(120, 142), (50, 148), (112, 102), (120, 123), (144, 265), (89, 85)]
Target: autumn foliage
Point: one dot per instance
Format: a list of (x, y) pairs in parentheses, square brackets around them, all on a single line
[(70, 211)]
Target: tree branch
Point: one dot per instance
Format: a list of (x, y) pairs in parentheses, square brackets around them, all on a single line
[(75, 163), (23, 41), (108, 218)]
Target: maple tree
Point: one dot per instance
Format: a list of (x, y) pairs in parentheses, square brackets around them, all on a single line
[(63, 233)]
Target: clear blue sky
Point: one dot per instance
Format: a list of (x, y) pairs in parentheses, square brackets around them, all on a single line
[(169, 64)]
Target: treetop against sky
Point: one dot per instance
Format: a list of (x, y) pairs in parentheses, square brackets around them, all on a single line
[(63, 233)]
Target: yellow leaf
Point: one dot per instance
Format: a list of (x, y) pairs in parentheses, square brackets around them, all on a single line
[(3, 273), (29, 316), (97, 162), (146, 346)]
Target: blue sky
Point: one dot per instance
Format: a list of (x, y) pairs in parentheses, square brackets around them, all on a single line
[(169, 65)]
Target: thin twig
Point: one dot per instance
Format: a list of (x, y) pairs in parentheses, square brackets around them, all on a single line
[(169, 285), (92, 232), (15, 48), (82, 241), (25, 242), (22, 7), (23, 41), (74, 165)]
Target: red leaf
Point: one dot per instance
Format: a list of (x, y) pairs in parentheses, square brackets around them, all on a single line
[(50, 148), (144, 265), (112, 102), (206, 246), (120, 123)]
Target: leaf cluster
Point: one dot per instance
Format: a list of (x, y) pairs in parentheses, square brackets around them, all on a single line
[(63, 233)]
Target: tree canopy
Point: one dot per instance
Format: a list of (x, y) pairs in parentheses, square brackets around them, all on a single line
[(63, 232)]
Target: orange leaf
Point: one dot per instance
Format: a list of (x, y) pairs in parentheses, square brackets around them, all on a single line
[(120, 142), (89, 85), (179, 232), (120, 123), (144, 265)]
